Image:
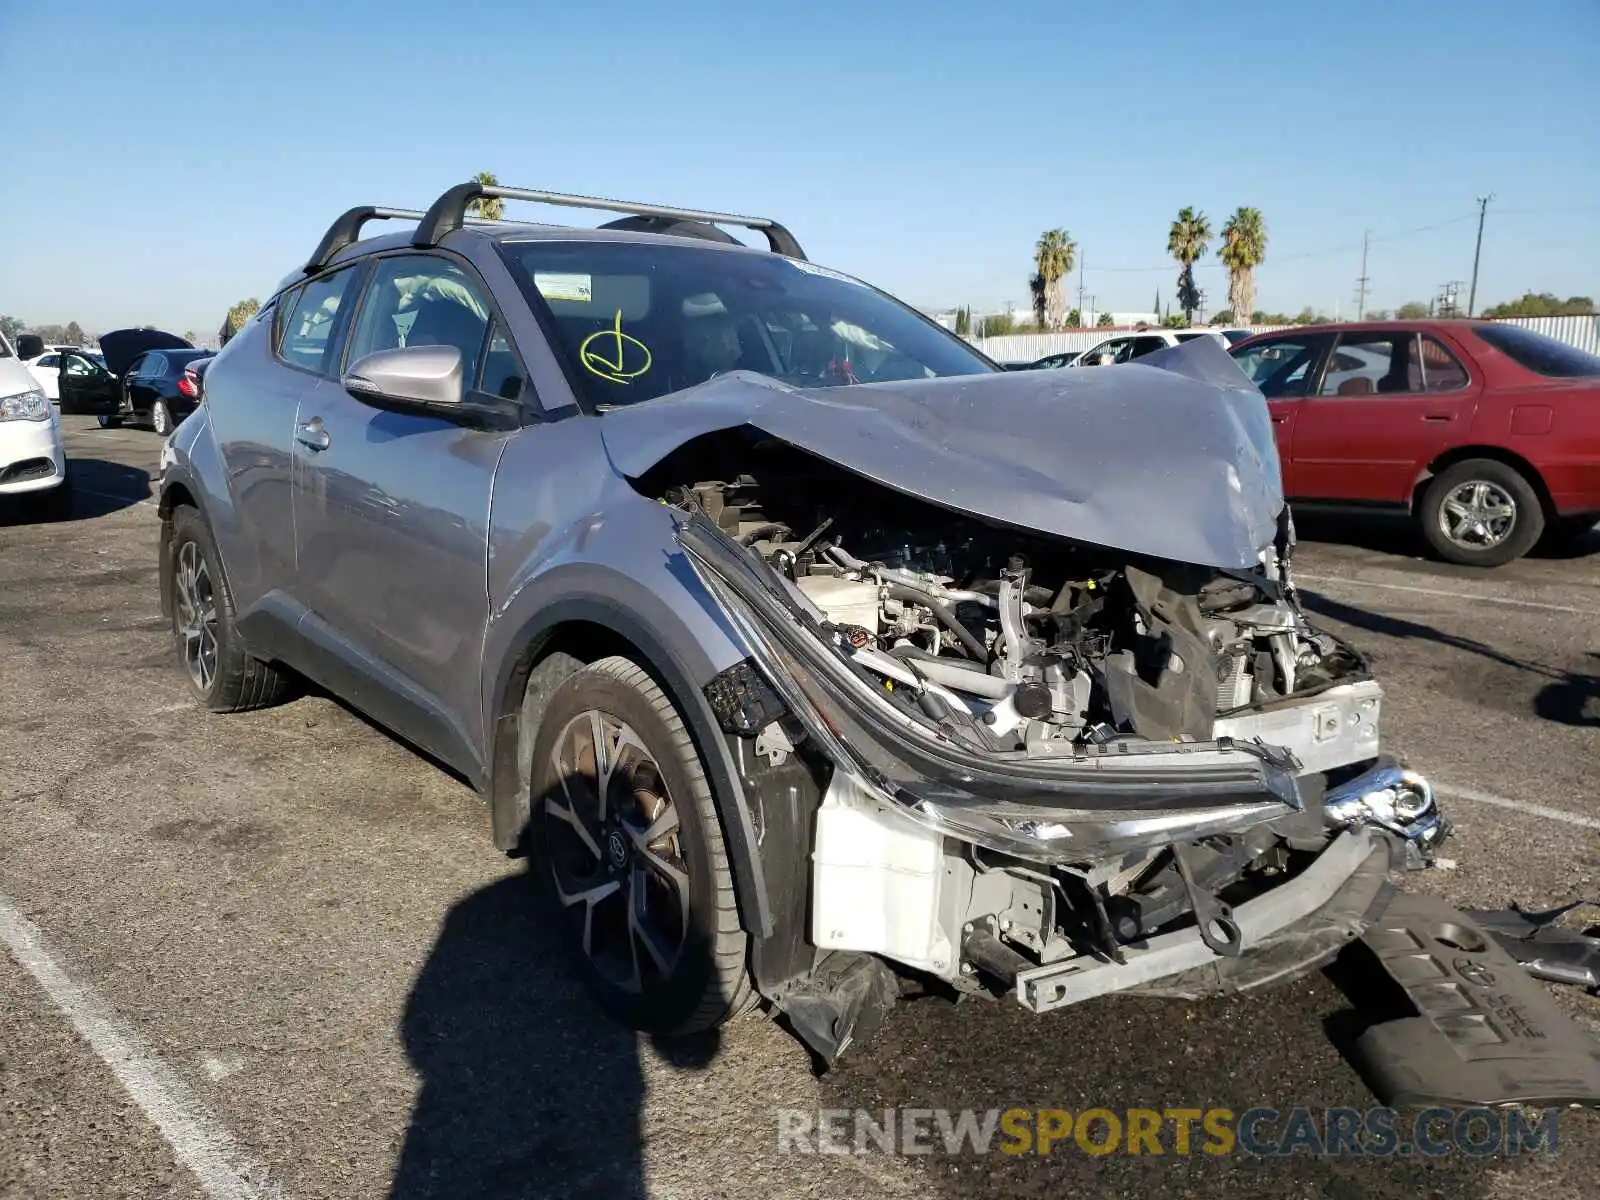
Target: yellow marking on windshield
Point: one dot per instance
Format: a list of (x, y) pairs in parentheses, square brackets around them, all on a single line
[(614, 355)]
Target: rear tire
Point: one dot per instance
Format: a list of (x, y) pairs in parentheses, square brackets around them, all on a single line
[(642, 892), (1481, 513), (224, 676), (161, 419)]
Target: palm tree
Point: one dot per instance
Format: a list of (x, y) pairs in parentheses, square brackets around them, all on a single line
[(1186, 242), (490, 208), (1244, 246), (1053, 258)]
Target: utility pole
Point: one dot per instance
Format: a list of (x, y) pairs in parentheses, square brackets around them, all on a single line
[(1450, 298), (1080, 291), (1361, 280), (1472, 296)]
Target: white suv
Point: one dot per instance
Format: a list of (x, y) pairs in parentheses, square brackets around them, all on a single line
[(33, 464)]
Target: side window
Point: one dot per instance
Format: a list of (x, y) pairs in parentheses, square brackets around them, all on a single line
[(1441, 370), (136, 367), (1281, 368), (502, 373), (1147, 345), (49, 360), (423, 300), (1366, 364), (309, 318), (155, 366)]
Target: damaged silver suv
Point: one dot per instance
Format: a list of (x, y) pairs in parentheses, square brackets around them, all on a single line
[(800, 647)]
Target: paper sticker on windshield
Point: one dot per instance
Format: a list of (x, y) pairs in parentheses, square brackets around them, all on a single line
[(564, 287), (812, 269)]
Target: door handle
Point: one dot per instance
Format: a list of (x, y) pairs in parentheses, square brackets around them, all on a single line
[(312, 435), (1438, 418)]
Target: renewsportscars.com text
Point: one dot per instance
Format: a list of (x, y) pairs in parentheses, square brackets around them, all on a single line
[(1259, 1132)]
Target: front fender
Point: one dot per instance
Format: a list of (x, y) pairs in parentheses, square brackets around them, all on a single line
[(652, 599)]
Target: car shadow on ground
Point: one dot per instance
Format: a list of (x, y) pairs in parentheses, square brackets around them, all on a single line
[(1397, 534), (1568, 697), (528, 1088), (99, 487)]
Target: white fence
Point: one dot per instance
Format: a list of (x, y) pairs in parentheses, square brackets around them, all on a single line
[(1582, 332)]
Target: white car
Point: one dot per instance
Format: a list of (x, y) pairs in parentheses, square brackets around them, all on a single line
[(46, 368), (1125, 347), (33, 463)]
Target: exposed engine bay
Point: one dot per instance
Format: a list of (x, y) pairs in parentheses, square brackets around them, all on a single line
[(1011, 641), (996, 728)]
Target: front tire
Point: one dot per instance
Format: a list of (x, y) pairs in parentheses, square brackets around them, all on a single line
[(161, 419), (1481, 513), (628, 852), (223, 675)]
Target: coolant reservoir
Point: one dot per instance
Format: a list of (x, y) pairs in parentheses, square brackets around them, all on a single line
[(845, 601)]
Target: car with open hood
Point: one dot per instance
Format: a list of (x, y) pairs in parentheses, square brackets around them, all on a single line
[(140, 381), (800, 648)]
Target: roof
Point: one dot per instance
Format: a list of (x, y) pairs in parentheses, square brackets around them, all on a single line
[(1428, 323), (518, 231)]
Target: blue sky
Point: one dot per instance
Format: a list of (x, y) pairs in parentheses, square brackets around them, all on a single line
[(181, 156)]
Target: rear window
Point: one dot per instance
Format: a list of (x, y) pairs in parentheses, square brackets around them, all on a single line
[(1189, 337), (1540, 354)]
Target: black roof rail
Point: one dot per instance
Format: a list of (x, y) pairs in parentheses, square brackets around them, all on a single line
[(347, 230), (449, 213)]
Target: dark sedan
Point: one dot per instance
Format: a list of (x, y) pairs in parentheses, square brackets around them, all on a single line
[(142, 382)]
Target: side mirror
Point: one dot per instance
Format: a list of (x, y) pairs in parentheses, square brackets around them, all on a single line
[(29, 345), (424, 379)]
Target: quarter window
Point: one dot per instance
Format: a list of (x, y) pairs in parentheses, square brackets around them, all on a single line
[(311, 316)]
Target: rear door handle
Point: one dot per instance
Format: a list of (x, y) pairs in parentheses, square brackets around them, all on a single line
[(312, 435), (1438, 418)]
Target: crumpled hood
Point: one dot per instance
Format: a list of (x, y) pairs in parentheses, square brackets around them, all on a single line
[(1172, 456)]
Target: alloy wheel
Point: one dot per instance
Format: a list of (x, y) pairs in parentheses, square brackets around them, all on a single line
[(196, 615), (615, 853), (161, 419), (1477, 514)]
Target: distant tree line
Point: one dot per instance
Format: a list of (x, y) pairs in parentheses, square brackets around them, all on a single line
[(1542, 304), (70, 334)]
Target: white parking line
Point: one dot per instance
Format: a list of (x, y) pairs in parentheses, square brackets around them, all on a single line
[(225, 1172), (1522, 806), (1406, 587)]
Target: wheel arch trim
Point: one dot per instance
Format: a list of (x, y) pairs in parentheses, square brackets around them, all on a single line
[(653, 648)]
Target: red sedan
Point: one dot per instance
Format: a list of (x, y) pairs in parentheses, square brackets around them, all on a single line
[(1486, 433)]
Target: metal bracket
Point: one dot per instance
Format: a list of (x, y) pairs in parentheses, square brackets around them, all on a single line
[(1212, 917)]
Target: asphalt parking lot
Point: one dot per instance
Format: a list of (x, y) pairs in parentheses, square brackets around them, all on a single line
[(298, 931)]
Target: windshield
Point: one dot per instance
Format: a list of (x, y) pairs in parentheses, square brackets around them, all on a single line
[(1538, 353), (637, 320)]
